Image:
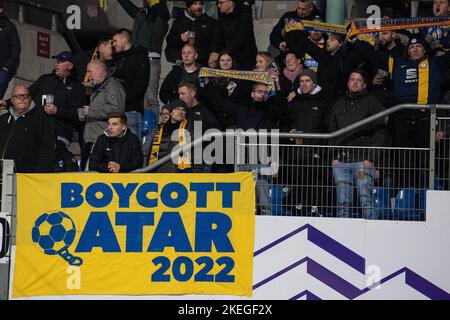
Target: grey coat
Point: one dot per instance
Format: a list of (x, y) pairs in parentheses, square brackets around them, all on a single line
[(109, 97)]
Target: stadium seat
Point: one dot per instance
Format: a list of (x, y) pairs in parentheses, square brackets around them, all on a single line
[(410, 204), (148, 122), (382, 202), (278, 199)]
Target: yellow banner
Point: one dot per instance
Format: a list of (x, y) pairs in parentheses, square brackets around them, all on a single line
[(256, 76), (134, 234)]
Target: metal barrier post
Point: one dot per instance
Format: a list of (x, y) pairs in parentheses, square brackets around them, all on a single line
[(237, 151), (7, 217), (432, 146)]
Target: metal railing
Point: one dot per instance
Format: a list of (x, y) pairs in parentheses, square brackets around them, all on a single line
[(7, 216), (334, 181), (400, 181), (442, 167)]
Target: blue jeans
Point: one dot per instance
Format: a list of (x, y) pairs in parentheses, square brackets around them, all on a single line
[(135, 123), (4, 81), (346, 175)]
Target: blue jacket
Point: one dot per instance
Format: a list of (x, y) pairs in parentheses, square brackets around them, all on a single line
[(414, 81)]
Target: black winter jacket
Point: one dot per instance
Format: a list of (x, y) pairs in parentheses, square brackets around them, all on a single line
[(349, 110), (133, 69), (169, 87), (309, 114), (277, 35), (9, 46), (202, 113), (125, 151), (203, 26), (287, 86), (69, 96), (235, 33), (29, 141), (249, 115)]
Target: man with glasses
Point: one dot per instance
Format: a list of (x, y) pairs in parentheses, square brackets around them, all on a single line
[(235, 33), (163, 139), (261, 112), (27, 135), (165, 114)]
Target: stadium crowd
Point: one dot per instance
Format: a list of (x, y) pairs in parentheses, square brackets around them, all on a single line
[(323, 82)]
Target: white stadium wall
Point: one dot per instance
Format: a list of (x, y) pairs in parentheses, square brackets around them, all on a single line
[(346, 259)]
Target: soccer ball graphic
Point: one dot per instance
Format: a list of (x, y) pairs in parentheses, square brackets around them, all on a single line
[(54, 232)]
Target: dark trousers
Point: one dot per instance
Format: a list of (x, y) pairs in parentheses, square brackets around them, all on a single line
[(4, 81), (410, 132)]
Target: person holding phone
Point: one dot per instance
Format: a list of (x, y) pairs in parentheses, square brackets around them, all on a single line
[(382, 85)]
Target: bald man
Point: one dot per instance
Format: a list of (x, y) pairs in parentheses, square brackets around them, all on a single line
[(108, 97), (27, 135)]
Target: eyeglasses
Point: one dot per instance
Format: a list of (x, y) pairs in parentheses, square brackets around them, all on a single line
[(261, 91), (21, 96)]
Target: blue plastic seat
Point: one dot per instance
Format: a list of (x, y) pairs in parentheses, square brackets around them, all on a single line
[(410, 204), (382, 202), (148, 122), (278, 200)]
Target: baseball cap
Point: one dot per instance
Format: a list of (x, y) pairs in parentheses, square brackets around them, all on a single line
[(417, 39), (65, 56)]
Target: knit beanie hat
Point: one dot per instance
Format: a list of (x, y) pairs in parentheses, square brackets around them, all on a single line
[(191, 2), (310, 74), (176, 104)]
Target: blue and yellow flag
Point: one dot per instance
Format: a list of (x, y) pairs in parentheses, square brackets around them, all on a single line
[(146, 236)]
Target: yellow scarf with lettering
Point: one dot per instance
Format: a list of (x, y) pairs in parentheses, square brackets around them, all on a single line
[(183, 161)]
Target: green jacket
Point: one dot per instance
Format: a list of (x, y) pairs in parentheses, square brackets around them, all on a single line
[(150, 24)]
